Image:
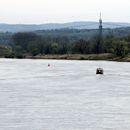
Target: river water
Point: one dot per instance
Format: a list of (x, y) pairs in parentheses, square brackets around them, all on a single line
[(65, 96)]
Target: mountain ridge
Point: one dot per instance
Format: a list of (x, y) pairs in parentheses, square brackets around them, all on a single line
[(4, 27)]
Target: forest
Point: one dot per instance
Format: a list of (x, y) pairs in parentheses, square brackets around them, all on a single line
[(65, 41)]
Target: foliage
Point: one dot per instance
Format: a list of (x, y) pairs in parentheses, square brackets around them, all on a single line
[(5, 50), (120, 48), (64, 42)]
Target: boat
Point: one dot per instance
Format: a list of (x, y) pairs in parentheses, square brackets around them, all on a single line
[(100, 71)]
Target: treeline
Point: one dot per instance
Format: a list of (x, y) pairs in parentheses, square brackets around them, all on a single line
[(52, 42), (72, 34), (33, 44)]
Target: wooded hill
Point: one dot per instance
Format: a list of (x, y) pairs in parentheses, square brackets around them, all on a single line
[(65, 41)]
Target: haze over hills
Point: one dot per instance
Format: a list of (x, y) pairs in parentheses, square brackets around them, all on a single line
[(50, 26)]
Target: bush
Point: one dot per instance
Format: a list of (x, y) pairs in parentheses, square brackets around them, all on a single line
[(120, 48)]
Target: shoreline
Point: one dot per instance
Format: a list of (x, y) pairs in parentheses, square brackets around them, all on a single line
[(103, 57)]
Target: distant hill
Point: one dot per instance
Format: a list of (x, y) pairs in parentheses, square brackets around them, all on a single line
[(51, 26), (70, 34)]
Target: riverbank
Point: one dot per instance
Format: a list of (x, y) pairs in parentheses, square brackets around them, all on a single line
[(105, 57)]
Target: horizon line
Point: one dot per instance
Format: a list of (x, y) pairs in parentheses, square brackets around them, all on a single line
[(20, 23)]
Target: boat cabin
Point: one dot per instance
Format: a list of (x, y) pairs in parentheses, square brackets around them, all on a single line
[(99, 71)]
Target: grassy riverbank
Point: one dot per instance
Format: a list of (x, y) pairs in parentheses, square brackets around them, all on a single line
[(107, 57)]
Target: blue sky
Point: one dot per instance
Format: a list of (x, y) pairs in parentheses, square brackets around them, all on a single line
[(60, 11)]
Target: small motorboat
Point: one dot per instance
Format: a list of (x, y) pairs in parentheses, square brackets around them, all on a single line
[(100, 71)]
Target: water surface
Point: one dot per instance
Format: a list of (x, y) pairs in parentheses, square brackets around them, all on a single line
[(65, 96)]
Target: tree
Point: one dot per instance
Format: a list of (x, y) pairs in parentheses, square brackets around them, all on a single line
[(33, 48), (23, 38), (54, 48), (81, 47), (120, 48)]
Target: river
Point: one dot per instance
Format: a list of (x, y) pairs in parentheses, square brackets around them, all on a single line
[(68, 95)]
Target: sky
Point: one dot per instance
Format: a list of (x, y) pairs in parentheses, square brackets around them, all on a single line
[(62, 11)]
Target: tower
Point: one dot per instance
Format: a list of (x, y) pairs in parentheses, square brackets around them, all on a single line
[(100, 39), (100, 27)]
